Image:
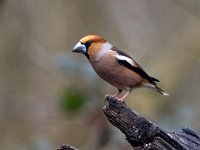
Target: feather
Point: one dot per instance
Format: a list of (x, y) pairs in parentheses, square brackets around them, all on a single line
[(127, 61), (154, 79), (120, 52), (138, 70)]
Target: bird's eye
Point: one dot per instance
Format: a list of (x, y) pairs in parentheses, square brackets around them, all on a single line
[(88, 44)]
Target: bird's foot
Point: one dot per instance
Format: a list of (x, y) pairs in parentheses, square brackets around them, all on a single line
[(121, 100), (108, 95)]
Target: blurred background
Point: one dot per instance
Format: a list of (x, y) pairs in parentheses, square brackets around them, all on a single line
[(50, 96)]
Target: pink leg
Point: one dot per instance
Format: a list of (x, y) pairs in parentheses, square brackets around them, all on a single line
[(123, 97), (115, 95)]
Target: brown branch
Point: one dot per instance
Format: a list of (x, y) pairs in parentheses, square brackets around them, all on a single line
[(143, 134)]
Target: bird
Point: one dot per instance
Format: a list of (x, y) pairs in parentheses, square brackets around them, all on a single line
[(115, 66)]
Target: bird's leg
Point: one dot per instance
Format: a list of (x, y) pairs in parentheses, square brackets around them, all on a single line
[(125, 95), (116, 94)]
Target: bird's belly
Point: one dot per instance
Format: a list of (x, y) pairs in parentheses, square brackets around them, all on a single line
[(118, 76)]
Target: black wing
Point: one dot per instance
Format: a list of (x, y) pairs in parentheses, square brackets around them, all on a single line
[(154, 79), (138, 70)]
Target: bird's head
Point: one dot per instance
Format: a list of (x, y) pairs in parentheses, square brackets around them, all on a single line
[(90, 45)]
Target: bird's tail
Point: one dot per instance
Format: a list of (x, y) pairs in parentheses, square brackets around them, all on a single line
[(155, 87), (161, 91)]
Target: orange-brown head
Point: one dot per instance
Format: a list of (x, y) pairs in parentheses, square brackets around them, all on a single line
[(89, 45)]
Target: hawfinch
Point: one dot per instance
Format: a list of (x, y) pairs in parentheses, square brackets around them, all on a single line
[(115, 66)]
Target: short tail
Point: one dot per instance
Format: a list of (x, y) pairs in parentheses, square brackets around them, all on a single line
[(155, 87), (161, 91)]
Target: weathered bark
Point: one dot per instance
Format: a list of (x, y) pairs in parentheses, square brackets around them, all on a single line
[(142, 134), (66, 147)]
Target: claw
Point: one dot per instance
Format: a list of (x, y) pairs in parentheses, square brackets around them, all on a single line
[(114, 95), (121, 100)]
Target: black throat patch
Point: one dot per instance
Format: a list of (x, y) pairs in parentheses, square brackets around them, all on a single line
[(87, 55)]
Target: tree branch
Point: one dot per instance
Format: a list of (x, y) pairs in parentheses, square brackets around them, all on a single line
[(143, 134), (66, 147)]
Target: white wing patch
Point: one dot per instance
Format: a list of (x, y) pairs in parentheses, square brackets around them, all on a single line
[(129, 60)]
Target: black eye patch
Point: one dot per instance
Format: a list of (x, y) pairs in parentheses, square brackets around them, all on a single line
[(88, 44)]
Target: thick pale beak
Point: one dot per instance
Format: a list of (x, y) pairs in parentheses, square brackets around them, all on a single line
[(79, 48)]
